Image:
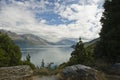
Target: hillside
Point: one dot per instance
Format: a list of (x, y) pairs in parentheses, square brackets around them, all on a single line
[(89, 44), (30, 40), (66, 41), (24, 40), (92, 42)]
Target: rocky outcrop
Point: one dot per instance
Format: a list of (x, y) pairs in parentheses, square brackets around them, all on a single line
[(114, 69), (80, 72), (113, 73), (16, 73), (53, 77)]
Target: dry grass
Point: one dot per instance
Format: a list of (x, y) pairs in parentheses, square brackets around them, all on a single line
[(46, 72)]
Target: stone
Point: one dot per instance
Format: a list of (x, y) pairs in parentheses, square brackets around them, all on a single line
[(80, 72), (114, 69), (23, 72)]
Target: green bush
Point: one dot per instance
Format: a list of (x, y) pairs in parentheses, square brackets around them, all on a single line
[(25, 62), (10, 54), (81, 55)]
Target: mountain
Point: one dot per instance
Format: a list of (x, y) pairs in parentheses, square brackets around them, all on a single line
[(94, 41), (67, 41), (90, 44), (25, 40), (12, 35), (30, 40)]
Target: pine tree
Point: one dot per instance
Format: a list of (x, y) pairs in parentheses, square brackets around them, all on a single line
[(79, 55), (28, 58), (28, 62), (42, 64), (108, 48)]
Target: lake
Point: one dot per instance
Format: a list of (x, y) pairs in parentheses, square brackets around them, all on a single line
[(52, 53)]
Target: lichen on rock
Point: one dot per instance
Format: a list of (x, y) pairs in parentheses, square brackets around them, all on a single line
[(23, 72), (80, 72)]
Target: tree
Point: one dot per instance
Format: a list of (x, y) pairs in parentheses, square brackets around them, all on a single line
[(28, 62), (10, 54), (108, 48), (28, 58), (79, 55), (42, 63), (49, 66)]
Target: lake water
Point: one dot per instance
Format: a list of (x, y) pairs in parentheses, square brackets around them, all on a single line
[(56, 54)]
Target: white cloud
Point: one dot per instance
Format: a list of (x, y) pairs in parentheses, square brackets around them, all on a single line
[(43, 21), (87, 17), (17, 17)]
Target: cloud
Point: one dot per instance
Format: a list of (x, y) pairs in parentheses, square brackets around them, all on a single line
[(20, 17), (87, 17), (43, 21)]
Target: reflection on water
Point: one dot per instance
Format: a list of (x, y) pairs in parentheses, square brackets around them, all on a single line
[(56, 54)]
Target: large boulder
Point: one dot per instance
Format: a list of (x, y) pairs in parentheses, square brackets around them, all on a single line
[(16, 73), (113, 72), (114, 69), (80, 72)]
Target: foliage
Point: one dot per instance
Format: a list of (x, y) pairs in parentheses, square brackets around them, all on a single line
[(108, 48), (42, 63), (28, 62), (63, 65), (28, 58), (80, 55), (25, 62), (10, 54), (49, 66), (49, 69)]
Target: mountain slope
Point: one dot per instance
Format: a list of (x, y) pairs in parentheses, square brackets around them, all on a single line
[(89, 44), (92, 42), (30, 40), (67, 41), (26, 40)]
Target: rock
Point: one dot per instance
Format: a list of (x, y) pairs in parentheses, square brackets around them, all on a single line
[(113, 77), (16, 73), (52, 77), (114, 69), (80, 72)]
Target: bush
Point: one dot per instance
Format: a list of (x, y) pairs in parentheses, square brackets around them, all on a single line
[(10, 54), (25, 62), (81, 55)]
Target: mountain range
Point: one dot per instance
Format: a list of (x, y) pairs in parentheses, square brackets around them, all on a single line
[(89, 44), (27, 40)]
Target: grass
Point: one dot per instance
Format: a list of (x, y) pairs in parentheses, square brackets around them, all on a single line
[(46, 71)]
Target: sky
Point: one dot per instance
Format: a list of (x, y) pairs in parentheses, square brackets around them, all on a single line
[(53, 19)]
